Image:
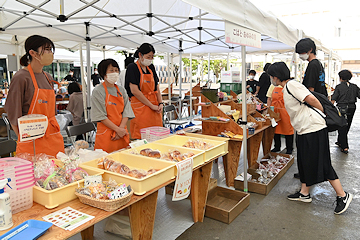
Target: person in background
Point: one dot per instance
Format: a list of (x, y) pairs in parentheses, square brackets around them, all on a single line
[(31, 92), (129, 59), (95, 77), (70, 77), (263, 85), (142, 85), (345, 96), (313, 152), (110, 107), (76, 103), (314, 77), (284, 126), (252, 83)]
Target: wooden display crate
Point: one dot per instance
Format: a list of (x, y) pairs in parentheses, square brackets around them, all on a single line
[(225, 205), (260, 187)]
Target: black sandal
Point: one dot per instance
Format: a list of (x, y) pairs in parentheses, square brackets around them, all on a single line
[(338, 144), (346, 151)]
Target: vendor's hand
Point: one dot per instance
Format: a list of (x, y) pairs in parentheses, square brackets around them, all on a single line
[(247, 86), (121, 132), (115, 137), (160, 108), (154, 107)]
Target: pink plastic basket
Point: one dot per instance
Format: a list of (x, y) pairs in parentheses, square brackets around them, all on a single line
[(154, 133)]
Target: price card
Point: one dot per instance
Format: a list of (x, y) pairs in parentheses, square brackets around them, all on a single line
[(183, 179), (138, 143), (32, 126), (119, 192), (89, 180)]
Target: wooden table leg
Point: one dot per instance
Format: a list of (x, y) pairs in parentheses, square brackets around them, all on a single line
[(142, 217), (231, 162), (88, 234), (199, 191), (267, 139), (253, 146)]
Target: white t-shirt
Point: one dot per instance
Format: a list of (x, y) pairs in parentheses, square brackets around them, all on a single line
[(304, 119), (121, 81)]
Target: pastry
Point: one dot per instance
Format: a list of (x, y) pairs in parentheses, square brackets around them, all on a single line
[(145, 152), (108, 163), (154, 154), (100, 163), (151, 171)]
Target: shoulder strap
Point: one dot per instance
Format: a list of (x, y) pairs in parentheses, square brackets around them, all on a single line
[(287, 89)]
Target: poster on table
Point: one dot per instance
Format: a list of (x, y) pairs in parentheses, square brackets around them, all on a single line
[(32, 126), (236, 34), (183, 179)]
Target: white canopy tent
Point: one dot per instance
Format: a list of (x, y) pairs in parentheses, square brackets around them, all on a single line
[(172, 26)]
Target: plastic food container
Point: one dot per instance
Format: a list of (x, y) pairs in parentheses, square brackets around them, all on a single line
[(53, 198), (140, 186), (198, 158), (219, 147), (154, 133)]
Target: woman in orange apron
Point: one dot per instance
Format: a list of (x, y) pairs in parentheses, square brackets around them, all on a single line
[(284, 126), (141, 83), (31, 92), (110, 107)]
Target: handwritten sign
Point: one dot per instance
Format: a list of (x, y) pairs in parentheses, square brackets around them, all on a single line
[(236, 34), (32, 126), (183, 179)]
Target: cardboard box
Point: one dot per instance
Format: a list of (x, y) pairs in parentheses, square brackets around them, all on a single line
[(264, 188), (225, 204)]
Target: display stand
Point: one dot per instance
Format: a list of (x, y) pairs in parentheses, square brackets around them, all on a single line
[(231, 160)]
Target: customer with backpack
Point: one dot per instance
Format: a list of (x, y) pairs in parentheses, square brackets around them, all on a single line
[(345, 97), (313, 153)]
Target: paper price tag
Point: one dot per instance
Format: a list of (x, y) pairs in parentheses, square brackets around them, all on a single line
[(89, 180), (183, 179), (138, 143), (32, 126), (119, 192)]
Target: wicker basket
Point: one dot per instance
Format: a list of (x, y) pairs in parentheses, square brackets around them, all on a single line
[(107, 205)]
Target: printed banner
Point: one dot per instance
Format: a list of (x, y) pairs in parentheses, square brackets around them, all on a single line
[(183, 179), (32, 126), (236, 34)]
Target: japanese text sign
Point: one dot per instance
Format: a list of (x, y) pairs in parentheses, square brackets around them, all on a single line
[(183, 179), (32, 126), (236, 34)]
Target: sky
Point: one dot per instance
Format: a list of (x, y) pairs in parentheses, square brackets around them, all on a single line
[(335, 23)]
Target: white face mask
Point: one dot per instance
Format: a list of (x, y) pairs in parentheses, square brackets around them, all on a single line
[(96, 72), (273, 82), (251, 77), (112, 77), (304, 56), (146, 62)]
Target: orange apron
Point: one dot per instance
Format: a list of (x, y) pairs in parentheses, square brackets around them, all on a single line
[(114, 109), (284, 126), (145, 116), (43, 102)]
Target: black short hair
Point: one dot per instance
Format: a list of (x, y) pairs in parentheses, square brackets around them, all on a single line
[(144, 49), (104, 64), (279, 70), (266, 67), (33, 43), (305, 45), (345, 75), (73, 87), (128, 60), (252, 72)]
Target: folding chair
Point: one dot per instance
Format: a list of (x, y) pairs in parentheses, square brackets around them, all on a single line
[(7, 147), (79, 130), (167, 117)]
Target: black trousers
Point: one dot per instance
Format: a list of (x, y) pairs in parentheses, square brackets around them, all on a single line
[(289, 139), (343, 132)]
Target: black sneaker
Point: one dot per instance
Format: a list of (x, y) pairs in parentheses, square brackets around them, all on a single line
[(298, 196), (275, 150), (342, 203)]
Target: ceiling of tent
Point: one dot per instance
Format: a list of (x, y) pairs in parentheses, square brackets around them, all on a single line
[(126, 24)]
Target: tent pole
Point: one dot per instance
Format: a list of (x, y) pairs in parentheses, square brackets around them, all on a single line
[(150, 17), (244, 115), (168, 77), (180, 78), (88, 63), (228, 62), (83, 81), (58, 71), (329, 67), (17, 56), (191, 110), (209, 68)]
